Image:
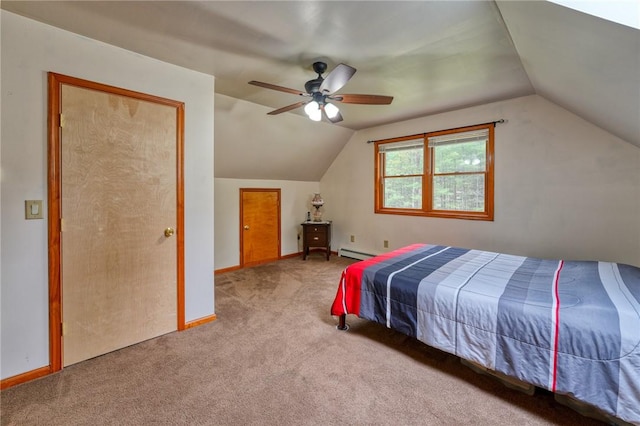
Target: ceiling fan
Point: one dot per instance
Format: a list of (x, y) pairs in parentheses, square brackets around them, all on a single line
[(322, 90)]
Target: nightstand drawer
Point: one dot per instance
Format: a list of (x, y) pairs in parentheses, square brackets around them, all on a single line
[(317, 238)]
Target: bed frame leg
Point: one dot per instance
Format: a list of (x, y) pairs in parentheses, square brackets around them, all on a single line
[(342, 322)]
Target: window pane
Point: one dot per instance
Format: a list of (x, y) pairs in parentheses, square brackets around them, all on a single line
[(460, 193), (404, 162), (460, 157), (403, 192)]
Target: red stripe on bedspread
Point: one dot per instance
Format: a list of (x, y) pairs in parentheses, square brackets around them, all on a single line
[(556, 330), (347, 299)]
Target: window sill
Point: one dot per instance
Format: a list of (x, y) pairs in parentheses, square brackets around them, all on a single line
[(484, 216)]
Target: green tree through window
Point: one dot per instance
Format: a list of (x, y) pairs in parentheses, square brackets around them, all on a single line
[(403, 180)]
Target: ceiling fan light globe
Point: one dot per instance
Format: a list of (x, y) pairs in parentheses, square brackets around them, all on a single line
[(331, 110), (316, 115), (311, 108)]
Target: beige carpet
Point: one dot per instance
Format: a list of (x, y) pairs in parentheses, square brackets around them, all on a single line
[(274, 357)]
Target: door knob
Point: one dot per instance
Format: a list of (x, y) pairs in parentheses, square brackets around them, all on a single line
[(168, 232), (246, 227)]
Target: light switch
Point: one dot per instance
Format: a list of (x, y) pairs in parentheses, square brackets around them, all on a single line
[(33, 209)]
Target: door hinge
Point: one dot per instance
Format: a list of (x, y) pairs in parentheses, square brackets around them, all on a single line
[(63, 328), (61, 225), (61, 120)]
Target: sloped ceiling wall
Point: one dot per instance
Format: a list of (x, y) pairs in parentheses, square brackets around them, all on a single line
[(588, 65)]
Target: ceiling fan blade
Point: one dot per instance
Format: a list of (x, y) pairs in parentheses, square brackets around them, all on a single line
[(337, 78), (279, 88), (287, 108), (363, 99)]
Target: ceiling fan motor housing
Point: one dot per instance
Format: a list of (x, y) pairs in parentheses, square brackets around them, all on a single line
[(320, 98), (313, 86)]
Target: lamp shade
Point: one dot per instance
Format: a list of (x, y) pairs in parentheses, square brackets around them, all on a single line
[(317, 200)]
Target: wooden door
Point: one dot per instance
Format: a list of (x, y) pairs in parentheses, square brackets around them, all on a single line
[(119, 246), (259, 225)]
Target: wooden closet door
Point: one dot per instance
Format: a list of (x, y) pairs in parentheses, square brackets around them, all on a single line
[(118, 195), (260, 225)]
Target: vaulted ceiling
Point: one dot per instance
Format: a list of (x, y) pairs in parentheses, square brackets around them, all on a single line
[(431, 56)]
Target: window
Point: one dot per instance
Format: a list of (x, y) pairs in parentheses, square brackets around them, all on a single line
[(445, 174)]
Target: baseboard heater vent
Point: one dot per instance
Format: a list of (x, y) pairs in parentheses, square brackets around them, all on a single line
[(353, 254)]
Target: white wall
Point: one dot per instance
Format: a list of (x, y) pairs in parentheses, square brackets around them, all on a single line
[(564, 188), (295, 198), (29, 50)]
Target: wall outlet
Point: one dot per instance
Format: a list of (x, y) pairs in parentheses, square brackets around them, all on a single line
[(386, 243), (353, 239)]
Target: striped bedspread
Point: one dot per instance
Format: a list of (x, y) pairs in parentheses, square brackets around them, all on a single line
[(572, 327)]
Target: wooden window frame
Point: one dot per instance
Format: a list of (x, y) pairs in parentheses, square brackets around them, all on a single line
[(428, 175)]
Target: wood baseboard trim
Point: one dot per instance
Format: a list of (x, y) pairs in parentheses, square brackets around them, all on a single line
[(238, 267), (289, 256), (229, 269), (25, 377), (200, 321)]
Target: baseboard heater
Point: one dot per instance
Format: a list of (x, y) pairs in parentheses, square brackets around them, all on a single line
[(353, 254)]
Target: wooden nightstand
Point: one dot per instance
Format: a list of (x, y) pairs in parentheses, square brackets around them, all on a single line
[(316, 235)]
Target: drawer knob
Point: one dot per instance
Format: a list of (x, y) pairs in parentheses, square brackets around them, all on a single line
[(315, 238)]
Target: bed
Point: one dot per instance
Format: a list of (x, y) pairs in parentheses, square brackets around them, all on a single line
[(571, 327)]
